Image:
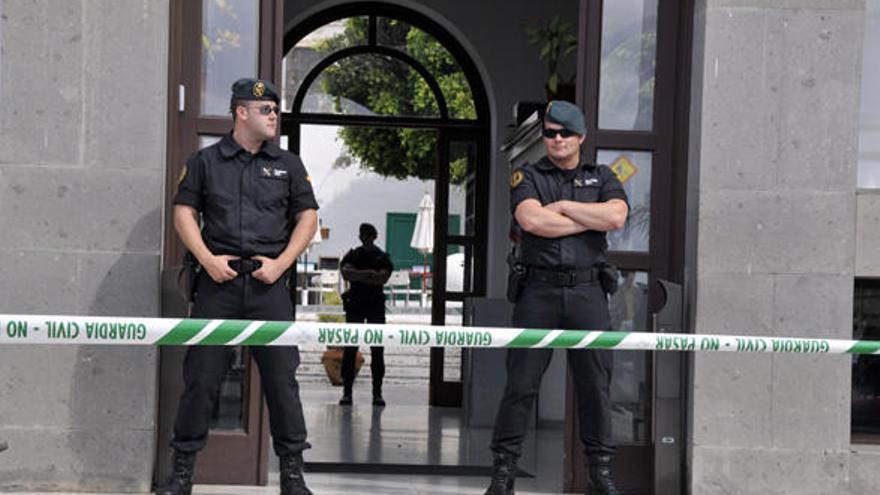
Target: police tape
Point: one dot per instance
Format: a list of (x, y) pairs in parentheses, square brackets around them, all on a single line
[(52, 329)]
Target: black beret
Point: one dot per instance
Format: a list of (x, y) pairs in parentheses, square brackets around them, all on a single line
[(567, 115), (254, 89), (367, 229)]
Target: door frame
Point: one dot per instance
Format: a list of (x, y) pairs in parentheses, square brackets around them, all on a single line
[(664, 462), (184, 126)]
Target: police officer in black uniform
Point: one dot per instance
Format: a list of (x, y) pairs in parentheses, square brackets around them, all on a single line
[(563, 205), (258, 213), (366, 268)]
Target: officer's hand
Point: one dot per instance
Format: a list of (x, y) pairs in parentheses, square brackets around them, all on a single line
[(218, 268), (270, 271), (376, 277), (556, 207)]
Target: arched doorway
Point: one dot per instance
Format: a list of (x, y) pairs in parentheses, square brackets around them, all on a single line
[(213, 43), (408, 103)]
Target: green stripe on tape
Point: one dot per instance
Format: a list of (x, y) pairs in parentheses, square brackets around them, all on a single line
[(528, 338), (267, 333), (569, 338), (607, 340), (863, 347), (225, 332), (182, 332)]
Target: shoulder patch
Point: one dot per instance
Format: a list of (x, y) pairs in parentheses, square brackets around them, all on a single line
[(516, 178), (182, 175)]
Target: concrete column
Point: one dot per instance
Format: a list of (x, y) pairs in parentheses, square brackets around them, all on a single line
[(868, 233), (82, 164), (771, 236)]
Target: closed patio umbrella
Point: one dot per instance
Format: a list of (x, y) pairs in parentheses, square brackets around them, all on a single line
[(423, 236)]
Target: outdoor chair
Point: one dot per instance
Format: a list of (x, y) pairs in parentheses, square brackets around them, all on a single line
[(398, 284)]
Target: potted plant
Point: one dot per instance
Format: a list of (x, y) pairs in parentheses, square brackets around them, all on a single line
[(555, 42), (332, 357)]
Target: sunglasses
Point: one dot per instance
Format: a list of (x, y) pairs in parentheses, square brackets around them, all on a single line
[(551, 133), (267, 109)]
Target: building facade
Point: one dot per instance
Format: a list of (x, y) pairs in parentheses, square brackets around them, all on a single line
[(753, 123)]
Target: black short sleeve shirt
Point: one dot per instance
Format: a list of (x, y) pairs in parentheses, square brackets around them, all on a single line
[(248, 202), (367, 258), (547, 183)]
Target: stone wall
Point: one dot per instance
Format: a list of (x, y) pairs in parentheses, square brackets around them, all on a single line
[(82, 161), (772, 239)]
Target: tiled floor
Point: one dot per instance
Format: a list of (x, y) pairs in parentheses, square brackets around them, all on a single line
[(407, 433)]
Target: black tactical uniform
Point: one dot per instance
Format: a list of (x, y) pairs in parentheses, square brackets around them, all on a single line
[(248, 204), (365, 303), (561, 290)]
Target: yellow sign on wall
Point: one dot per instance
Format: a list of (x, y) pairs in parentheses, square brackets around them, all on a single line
[(624, 169)]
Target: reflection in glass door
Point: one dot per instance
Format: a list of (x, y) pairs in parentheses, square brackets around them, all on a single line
[(630, 388), (629, 49), (213, 43), (633, 168), (230, 50), (632, 66)]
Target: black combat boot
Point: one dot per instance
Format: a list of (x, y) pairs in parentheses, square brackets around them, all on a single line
[(346, 395), (377, 394), (601, 480), (503, 475), (180, 481), (292, 482)]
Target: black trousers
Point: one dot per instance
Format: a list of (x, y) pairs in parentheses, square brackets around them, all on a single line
[(204, 366), (359, 314), (582, 307)]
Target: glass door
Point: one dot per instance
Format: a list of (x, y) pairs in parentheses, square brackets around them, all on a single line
[(212, 44), (463, 240), (632, 68)]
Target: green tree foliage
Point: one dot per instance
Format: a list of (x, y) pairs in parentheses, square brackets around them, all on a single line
[(389, 87)]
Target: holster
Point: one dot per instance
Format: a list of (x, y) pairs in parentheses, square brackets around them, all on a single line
[(189, 275), (346, 300), (516, 276), (608, 277)]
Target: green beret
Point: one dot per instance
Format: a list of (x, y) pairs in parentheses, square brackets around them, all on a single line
[(254, 89), (567, 115)]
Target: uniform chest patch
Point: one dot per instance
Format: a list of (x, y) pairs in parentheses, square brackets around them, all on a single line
[(272, 172), (516, 178), (585, 182)]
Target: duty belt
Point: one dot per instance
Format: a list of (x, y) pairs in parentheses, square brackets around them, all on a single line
[(562, 278), (245, 266)]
